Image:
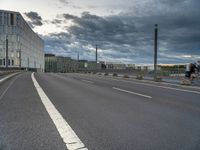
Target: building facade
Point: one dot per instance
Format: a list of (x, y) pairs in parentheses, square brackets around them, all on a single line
[(60, 64), (20, 47)]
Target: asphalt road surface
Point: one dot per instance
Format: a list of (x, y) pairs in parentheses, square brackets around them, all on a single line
[(105, 113)]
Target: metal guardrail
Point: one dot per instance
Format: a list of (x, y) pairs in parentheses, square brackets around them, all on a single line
[(168, 75)]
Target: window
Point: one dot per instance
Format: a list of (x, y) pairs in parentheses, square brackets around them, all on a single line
[(12, 62), (0, 62), (1, 18), (11, 19), (4, 62)]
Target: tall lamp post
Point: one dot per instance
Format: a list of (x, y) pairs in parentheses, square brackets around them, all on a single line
[(96, 55), (6, 52), (19, 55), (155, 50)]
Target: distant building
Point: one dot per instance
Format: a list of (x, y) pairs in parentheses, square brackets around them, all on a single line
[(50, 63), (66, 64), (60, 64), (115, 65), (20, 47), (82, 64), (93, 65)]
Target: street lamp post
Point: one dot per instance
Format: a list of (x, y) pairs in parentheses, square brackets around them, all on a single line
[(6, 52), (78, 56), (19, 56), (96, 56), (155, 50)]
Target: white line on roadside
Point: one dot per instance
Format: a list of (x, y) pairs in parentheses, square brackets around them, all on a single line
[(11, 83), (130, 92), (69, 137), (87, 81), (7, 77)]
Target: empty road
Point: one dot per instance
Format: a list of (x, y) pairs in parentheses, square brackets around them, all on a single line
[(104, 113)]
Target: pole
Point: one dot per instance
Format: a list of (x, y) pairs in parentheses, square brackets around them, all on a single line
[(6, 52), (155, 50), (96, 54), (78, 56), (20, 60), (28, 64)]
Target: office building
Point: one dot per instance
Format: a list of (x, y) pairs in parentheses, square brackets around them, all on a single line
[(20, 46), (60, 64)]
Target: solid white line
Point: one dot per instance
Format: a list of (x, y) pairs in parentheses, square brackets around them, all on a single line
[(130, 92), (69, 137), (7, 77), (87, 81), (11, 83)]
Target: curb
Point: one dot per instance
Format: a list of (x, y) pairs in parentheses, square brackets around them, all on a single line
[(8, 77)]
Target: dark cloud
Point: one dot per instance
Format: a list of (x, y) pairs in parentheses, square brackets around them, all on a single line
[(69, 17), (65, 2), (69, 3), (35, 19), (94, 28), (129, 36), (56, 22)]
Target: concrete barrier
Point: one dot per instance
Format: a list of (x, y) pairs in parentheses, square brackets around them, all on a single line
[(185, 82), (158, 79), (115, 75), (139, 77), (106, 74), (126, 76)]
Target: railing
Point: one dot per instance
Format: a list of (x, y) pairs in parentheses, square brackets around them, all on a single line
[(175, 75)]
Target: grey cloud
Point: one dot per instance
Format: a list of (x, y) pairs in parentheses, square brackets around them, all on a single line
[(69, 3), (56, 21), (65, 1), (100, 29), (35, 19), (129, 36), (69, 17)]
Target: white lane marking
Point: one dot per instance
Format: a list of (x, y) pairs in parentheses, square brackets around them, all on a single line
[(164, 87), (148, 84), (11, 83), (69, 137), (87, 81), (130, 92), (7, 77)]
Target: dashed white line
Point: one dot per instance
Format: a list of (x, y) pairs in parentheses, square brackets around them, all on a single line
[(69, 137), (130, 92), (159, 86), (87, 81)]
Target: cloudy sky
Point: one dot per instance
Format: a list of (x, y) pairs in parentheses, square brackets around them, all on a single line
[(122, 29)]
